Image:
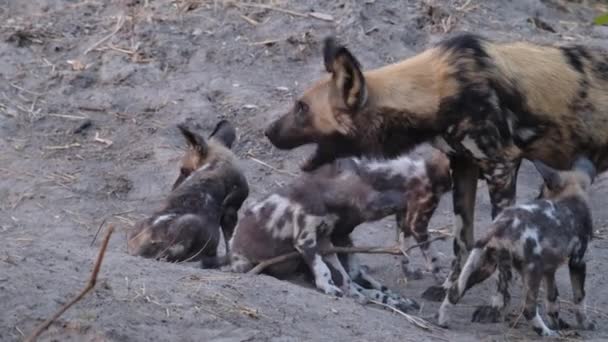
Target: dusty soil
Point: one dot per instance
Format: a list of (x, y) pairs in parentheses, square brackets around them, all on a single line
[(87, 136)]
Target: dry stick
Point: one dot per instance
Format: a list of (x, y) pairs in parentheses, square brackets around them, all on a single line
[(272, 167), (395, 250), (119, 24), (417, 321), (290, 12), (89, 287)]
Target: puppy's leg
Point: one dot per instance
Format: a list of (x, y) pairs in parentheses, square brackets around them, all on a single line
[(238, 264), (478, 267), (552, 303), (339, 275), (421, 205), (366, 284), (578, 273), (306, 244), (404, 237), (532, 274), (500, 301)]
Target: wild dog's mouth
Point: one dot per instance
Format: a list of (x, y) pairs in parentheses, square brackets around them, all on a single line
[(328, 150)]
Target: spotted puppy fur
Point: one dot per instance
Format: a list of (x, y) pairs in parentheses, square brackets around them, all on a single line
[(207, 194), (536, 238), (321, 209), (487, 104)]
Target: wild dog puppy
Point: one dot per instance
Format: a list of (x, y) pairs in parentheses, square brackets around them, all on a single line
[(207, 194), (322, 209), (486, 104), (536, 238)]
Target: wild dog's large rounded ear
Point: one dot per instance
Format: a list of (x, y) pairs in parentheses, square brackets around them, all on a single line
[(346, 74), (194, 140), (550, 175), (225, 133), (586, 166)]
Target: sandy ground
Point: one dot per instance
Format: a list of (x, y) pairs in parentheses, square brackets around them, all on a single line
[(87, 136)]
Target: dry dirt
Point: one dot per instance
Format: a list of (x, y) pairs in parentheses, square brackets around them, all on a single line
[(87, 136)]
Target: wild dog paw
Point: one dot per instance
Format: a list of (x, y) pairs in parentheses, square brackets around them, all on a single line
[(559, 325), (332, 290), (406, 304), (486, 314), (434, 293), (546, 332)]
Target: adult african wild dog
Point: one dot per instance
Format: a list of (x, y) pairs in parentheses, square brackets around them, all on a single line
[(322, 208), (486, 104), (536, 238), (207, 194)]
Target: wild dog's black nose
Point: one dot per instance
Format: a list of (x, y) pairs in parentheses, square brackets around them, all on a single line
[(270, 131)]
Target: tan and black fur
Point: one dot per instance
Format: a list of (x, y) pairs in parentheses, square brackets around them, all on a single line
[(536, 238), (487, 105), (207, 195)]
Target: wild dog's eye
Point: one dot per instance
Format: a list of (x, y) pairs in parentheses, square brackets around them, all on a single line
[(184, 171)]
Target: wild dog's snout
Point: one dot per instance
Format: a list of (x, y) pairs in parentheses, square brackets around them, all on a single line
[(271, 131)]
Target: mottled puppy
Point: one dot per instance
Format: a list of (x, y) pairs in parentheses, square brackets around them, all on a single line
[(536, 238), (320, 209), (207, 194)]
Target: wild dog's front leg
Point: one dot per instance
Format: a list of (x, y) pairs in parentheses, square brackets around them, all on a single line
[(366, 284), (230, 207), (306, 243), (500, 301), (465, 174), (479, 266), (339, 275), (502, 183)]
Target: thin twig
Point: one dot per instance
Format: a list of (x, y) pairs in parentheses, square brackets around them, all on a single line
[(282, 10), (90, 285), (98, 230), (394, 250), (119, 23), (417, 321), (263, 163)]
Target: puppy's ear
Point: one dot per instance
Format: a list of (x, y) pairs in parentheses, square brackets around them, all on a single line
[(225, 133), (347, 77), (551, 176), (584, 165), (195, 141)]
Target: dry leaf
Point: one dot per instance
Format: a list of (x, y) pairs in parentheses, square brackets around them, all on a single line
[(76, 64)]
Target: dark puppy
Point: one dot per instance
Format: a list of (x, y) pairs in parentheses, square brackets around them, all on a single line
[(207, 194)]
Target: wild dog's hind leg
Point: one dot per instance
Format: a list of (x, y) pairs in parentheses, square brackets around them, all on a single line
[(307, 228), (421, 205), (532, 274), (404, 237), (578, 272), (552, 302), (465, 174)]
